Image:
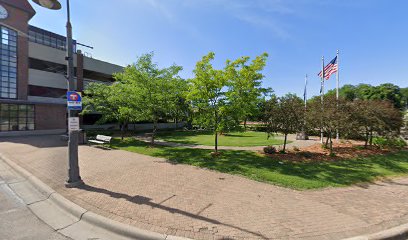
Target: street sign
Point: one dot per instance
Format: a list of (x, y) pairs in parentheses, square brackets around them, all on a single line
[(74, 100), (73, 124)]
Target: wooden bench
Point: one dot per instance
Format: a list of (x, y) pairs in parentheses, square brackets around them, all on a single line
[(101, 139)]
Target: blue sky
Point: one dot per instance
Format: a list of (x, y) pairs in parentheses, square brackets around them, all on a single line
[(370, 34)]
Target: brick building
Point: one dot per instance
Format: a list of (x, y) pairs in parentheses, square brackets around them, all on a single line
[(33, 69)]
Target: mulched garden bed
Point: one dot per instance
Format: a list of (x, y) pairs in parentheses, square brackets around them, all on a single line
[(343, 150)]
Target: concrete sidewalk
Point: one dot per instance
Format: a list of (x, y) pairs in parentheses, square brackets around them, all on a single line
[(17, 222), (182, 200), (30, 209)]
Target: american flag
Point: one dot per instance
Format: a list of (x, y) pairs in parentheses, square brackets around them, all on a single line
[(330, 69)]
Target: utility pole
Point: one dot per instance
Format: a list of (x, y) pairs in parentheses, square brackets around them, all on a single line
[(74, 179)]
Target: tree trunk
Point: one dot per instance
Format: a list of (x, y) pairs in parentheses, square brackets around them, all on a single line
[(327, 141), (175, 120), (371, 138), (122, 131), (216, 141), (367, 139), (154, 131), (245, 124), (284, 142), (216, 131), (331, 144)]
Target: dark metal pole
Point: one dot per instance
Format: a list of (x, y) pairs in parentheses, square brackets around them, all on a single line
[(74, 179)]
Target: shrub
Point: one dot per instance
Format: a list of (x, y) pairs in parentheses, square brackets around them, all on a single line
[(257, 128), (359, 147), (296, 149), (324, 146), (269, 149), (306, 154), (394, 142)]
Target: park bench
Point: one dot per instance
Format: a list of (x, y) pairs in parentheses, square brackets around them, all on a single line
[(101, 139)]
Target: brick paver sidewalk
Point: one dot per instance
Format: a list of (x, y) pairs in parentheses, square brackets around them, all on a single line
[(186, 201)]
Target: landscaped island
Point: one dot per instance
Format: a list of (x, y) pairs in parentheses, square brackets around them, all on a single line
[(236, 139), (295, 170)]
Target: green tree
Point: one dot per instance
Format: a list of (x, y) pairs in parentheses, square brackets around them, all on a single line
[(404, 97), (244, 83), (207, 96), (375, 117), (390, 92), (115, 102), (154, 89), (284, 115), (333, 115), (387, 91)]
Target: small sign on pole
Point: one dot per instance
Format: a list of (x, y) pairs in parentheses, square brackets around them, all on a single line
[(74, 100), (73, 124)]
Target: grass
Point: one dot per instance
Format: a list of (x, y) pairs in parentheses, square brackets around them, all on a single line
[(296, 175), (238, 139)]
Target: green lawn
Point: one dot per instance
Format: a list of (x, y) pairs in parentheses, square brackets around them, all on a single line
[(238, 139), (301, 175)]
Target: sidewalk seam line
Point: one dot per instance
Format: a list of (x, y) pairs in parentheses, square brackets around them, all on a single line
[(69, 225), (41, 200)]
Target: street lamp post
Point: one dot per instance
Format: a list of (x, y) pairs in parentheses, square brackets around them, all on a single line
[(74, 179)]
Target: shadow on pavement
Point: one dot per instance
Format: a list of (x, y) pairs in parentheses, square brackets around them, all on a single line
[(141, 200), (44, 141)]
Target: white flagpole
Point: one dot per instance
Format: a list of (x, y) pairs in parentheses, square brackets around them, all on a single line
[(322, 100), (305, 92), (305, 137), (337, 91)]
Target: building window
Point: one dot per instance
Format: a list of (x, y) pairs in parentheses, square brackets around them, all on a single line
[(40, 36), (8, 59), (16, 117), (39, 91)]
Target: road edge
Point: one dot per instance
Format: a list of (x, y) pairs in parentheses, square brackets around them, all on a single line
[(396, 233), (90, 217)]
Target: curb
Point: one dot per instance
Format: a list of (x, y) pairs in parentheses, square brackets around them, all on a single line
[(396, 233), (82, 214)]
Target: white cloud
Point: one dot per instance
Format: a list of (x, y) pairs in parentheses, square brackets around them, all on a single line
[(258, 13), (158, 5)]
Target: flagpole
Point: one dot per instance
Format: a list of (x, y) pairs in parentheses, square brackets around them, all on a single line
[(337, 91), (305, 136), (322, 100), (305, 93)]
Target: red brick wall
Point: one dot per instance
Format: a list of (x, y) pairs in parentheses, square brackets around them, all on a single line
[(18, 20), (49, 117)]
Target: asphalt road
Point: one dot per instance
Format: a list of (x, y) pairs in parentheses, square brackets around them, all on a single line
[(17, 222)]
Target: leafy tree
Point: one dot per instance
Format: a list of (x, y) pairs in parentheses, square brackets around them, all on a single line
[(365, 91), (207, 96), (284, 115), (115, 102), (404, 97), (348, 92), (244, 83), (375, 116), (335, 115), (387, 91), (154, 89), (181, 109)]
